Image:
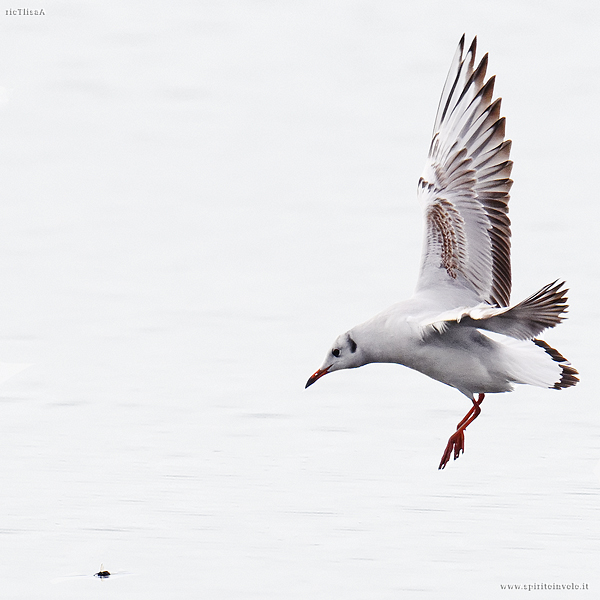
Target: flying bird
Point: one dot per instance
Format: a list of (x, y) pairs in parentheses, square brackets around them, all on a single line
[(459, 326)]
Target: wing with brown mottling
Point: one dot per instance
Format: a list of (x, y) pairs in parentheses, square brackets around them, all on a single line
[(465, 188)]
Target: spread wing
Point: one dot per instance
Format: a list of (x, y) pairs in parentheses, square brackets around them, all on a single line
[(524, 321), (464, 189)]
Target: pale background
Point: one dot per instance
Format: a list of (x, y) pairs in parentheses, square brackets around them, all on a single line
[(197, 198)]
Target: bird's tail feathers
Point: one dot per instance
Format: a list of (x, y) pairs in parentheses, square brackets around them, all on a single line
[(534, 362)]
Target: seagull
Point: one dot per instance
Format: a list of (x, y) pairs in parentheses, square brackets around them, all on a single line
[(459, 327)]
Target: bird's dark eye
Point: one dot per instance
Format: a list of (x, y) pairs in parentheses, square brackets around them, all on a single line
[(335, 352)]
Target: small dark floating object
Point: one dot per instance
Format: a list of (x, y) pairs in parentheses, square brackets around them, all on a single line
[(102, 574)]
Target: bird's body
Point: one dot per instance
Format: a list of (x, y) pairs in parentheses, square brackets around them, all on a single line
[(462, 357), (458, 327), (414, 333)]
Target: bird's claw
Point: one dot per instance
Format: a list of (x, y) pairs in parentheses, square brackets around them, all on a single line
[(456, 443)]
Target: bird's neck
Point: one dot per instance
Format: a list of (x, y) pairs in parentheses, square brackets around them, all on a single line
[(385, 338)]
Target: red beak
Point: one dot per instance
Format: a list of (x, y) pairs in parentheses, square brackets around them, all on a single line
[(317, 375)]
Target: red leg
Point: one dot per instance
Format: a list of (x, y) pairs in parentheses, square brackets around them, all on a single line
[(470, 416), (456, 443)]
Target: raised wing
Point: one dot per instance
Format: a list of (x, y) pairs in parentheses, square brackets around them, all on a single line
[(464, 189)]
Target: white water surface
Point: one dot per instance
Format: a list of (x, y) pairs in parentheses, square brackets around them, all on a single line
[(197, 198)]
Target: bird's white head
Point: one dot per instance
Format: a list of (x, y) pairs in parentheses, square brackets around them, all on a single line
[(344, 354)]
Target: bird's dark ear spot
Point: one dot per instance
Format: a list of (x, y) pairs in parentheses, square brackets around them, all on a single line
[(352, 345)]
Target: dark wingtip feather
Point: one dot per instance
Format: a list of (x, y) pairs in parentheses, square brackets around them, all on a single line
[(483, 63), (472, 51), (568, 376)]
